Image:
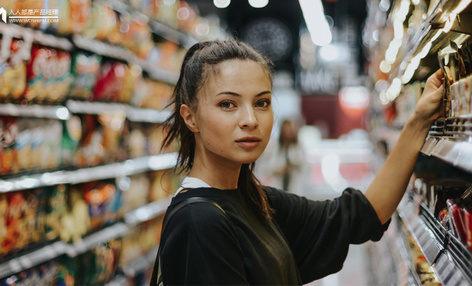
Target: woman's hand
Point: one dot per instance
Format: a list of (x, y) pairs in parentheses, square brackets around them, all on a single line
[(429, 107), (390, 184)]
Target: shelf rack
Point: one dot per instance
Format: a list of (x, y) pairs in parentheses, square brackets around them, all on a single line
[(451, 260), (117, 230), (126, 168)]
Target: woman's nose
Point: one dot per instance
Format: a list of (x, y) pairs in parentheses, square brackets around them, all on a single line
[(248, 118)]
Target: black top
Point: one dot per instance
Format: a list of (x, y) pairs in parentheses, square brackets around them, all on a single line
[(306, 240)]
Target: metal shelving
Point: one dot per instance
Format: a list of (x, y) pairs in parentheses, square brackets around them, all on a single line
[(117, 230), (126, 168), (451, 260)]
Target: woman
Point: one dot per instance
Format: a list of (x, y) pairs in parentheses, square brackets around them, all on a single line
[(259, 235)]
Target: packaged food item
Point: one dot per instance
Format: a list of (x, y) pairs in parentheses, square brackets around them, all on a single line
[(70, 139), (112, 127), (51, 154), (75, 222), (55, 210), (90, 151), (85, 70), (137, 141), (62, 77), (98, 265), (468, 225), (152, 94), (163, 183), (133, 73), (40, 72), (110, 81), (13, 68), (16, 236), (99, 196), (35, 215), (3, 223), (8, 139), (23, 146), (135, 192)]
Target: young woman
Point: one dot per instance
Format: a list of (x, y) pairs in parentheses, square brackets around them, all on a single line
[(254, 234)]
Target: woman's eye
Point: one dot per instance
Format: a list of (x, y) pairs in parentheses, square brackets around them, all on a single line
[(263, 103), (226, 104)]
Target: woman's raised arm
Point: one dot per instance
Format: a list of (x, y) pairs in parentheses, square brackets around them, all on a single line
[(390, 183)]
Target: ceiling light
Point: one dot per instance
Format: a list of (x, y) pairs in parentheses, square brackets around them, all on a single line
[(258, 3), (221, 3), (316, 22)]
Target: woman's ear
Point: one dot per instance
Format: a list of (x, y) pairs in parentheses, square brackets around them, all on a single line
[(189, 117)]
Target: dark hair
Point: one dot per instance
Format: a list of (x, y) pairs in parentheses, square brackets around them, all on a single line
[(198, 63)]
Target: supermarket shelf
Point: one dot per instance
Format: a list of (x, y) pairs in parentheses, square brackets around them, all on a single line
[(147, 212), (32, 259), (114, 231), (129, 167), (102, 48), (134, 114), (141, 264), (452, 150), (36, 111), (36, 36), (89, 242), (120, 53), (451, 260), (158, 28)]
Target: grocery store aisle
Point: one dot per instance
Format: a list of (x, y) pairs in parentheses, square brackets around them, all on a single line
[(334, 165)]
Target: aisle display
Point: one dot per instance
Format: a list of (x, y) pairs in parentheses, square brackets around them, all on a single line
[(408, 41), (83, 180)]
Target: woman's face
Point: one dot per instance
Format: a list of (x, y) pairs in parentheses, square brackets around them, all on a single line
[(234, 114)]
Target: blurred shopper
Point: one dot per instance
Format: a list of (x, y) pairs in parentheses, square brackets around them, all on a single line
[(287, 160)]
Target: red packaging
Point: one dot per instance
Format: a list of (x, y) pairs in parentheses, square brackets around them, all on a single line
[(110, 81), (15, 237), (40, 73), (458, 221), (468, 225)]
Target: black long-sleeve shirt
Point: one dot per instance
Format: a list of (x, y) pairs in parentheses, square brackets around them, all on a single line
[(306, 240)]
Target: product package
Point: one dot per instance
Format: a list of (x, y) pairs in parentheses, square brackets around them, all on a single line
[(13, 68), (85, 69)]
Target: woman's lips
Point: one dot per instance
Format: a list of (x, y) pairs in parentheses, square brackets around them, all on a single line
[(249, 142)]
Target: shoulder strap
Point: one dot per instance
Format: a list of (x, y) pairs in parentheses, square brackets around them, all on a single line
[(156, 278)]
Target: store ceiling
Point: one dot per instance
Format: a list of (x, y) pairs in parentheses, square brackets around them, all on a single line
[(240, 20)]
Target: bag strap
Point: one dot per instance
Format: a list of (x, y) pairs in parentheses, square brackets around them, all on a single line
[(157, 275)]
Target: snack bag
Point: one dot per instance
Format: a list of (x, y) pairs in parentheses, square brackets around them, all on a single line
[(13, 69), (110, 81), (98, 196), (9, 153), (85, 70), (35, 214), (40, 70), (76, 220), (62, 77), (3, 223), (55, 210), (16, 233), (23, 145)]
